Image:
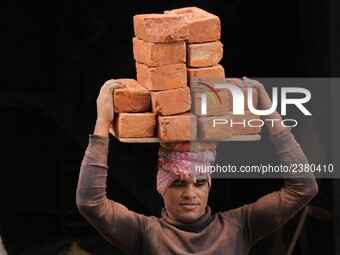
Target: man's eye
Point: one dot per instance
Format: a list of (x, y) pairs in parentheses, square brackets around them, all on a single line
[(201, 182), (178, 183)]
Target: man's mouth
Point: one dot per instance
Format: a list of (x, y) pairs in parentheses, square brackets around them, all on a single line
[(189, 206)]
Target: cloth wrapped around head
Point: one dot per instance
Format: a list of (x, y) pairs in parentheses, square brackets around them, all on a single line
[(181, 160)]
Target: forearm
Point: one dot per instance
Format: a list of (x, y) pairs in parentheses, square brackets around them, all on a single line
[(289, 152), (93, 173), (274, 125), (113, 220), (102, 128), (271, 211)]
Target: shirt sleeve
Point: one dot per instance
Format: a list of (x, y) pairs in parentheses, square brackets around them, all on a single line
[(273, 210), (113, 220)]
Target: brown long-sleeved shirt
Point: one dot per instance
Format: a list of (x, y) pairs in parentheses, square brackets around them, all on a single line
[(229, 233)]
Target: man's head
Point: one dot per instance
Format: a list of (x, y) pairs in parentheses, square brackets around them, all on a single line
[(186, 199), (183, 179)]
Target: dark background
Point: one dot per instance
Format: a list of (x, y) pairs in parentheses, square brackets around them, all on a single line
[(56, 55)]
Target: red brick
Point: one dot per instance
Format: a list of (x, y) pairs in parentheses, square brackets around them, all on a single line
[(158, 54), (162, 77), (180, 127), (168, 102), (203, 26), (241, 129), (133, 98), (204, 54), (209, 75), (160, 27), (135, 125), (208, 132), (212, 109)]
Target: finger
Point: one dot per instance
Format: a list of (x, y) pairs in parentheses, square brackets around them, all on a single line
[(235, 81), (113, 86), (110, 85), (247, 83), (251, 83), (247, 80)]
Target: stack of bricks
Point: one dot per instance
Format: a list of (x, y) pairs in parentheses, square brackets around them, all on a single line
[(160, 52), (204, 52), (175, 52), (132, 104)]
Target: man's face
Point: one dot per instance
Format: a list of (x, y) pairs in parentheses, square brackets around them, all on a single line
[(186, 200)]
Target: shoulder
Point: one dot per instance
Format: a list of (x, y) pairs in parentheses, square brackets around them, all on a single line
[(236, 216), (147, 222)]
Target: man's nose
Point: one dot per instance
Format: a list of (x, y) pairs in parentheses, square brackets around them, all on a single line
[(190, 191)]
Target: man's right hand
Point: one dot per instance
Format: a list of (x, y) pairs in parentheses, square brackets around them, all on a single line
[(105, 107), (264, 103)]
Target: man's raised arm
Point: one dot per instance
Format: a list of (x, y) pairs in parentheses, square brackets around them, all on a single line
[(273, 210), (113, 220)]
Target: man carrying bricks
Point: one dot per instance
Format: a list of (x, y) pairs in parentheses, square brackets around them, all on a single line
[(187, 225)]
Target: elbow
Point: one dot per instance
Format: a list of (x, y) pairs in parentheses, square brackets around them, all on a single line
[(88, 208), (83, 205)]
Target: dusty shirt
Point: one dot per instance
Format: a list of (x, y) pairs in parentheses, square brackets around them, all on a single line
[(2, 249), (229, 233)]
